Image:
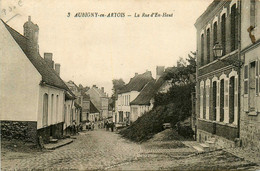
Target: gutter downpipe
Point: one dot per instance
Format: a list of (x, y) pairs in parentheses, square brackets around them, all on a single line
[(239, 68)]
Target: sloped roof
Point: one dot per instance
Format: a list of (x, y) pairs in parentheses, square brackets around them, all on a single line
[(100, 92), (49, 76), (138, 82), (93, 108), (148, 92), (72, 82)]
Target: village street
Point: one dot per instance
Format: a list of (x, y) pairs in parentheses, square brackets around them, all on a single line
[(104, 150)]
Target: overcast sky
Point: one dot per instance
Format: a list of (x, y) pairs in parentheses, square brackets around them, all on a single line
[(97, 50)]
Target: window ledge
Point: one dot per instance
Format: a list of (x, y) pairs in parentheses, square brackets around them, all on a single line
[(220, 123), (252, 113), (227, 124)]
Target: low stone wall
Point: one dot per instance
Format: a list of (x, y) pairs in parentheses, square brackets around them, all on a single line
[(44, 133), (56, 131), (250, 135), (21, 130), (220, 141), (227, 132), (205, 125)]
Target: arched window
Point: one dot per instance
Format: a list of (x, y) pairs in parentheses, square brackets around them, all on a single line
[(215, 35), (201, 98), (202, 50), (207, 98), (231, 99), (45, 110), (214, 101), (233, 27), (57, 108), (52, 108), (208, 45), (222, 91), (223, 33)]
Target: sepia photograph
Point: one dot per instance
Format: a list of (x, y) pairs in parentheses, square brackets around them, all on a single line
[(130, 84)]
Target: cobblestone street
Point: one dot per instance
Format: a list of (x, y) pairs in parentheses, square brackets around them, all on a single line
[(91, 150), (104, 150)]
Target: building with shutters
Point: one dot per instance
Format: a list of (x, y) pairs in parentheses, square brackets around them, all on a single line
[(217, 86), (227, 91), (144, 102), (127, 94), (250, 75)]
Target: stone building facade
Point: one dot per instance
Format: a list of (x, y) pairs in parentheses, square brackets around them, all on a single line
[(250, 75)]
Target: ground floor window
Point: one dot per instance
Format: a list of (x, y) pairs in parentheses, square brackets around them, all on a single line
[(121, 116), (222, 111), (231, 99), (45, 110)]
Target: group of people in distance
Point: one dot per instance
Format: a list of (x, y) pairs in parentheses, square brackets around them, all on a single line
[(90, 125)]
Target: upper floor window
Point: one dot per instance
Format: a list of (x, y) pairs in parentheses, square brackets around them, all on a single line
[(202, 50), (208, 45), (223, 33), (252, 13), (233, 27), (215, 33)]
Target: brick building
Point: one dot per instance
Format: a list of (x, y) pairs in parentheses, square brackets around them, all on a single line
[(217, 78), (227, 90)]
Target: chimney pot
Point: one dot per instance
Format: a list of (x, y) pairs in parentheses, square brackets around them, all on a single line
[(48, 59), (136, 74), (159, 71), (29, 18), (102, 88), (57, 68)]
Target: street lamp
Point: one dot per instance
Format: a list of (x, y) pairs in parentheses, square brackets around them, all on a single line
[(217, 50)]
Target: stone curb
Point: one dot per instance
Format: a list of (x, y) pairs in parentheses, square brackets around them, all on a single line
[(58, 146)]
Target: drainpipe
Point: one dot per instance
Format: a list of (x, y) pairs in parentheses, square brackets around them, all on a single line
[(196, 94), (239, 68)]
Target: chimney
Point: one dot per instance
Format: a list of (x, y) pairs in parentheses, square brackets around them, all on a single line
[(102, 89), (159, 71), (57, 69), (31, 32), (94, 86), (48, 59), (136, 74)]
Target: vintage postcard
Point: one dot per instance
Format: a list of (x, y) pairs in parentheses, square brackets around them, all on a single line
[(130, 84)]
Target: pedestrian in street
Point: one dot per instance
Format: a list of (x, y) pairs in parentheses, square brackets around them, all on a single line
[(107, 125), (74, 127), (112, 126), (92, 126)]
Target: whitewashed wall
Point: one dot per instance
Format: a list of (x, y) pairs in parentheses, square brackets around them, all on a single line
[(19, 88)]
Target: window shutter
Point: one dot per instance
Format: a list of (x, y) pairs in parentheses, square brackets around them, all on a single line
[(256, 78), (246, 79), (236, 101), (218, 102), (252, 12), (245, 104)]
